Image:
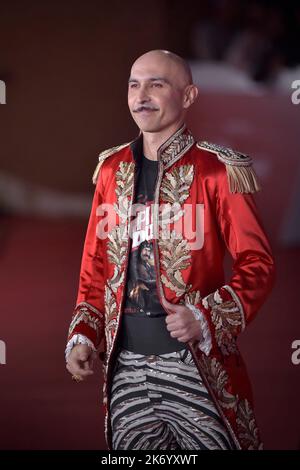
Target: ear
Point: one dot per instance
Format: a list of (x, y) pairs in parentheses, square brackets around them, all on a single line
[(190, 95)]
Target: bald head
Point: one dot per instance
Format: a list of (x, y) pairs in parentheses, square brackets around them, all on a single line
[(177, 67), (160, 90)]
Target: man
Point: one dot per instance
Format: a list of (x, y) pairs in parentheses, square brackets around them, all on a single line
[(152, 290)]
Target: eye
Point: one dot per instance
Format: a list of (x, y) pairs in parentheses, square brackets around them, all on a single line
[(132, 85), (157, 85)]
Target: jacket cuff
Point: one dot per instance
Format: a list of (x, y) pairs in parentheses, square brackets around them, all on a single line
[(87, 321), (205, 344), (224, 313), (78, 339)]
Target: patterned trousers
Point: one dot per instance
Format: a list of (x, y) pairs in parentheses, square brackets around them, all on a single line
[(160, 402)]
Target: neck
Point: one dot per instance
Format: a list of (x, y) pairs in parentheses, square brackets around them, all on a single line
[(153, 140)]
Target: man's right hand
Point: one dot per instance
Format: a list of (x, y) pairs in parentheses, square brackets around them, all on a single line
[(80, 361)]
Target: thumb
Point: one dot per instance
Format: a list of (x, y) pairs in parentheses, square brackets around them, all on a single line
[(168, 305), (83, 355)]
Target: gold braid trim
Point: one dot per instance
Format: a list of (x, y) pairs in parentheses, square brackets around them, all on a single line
[(103, 156), (241, 175)]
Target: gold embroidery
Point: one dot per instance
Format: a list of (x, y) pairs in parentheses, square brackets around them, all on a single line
[(103, 156), (86, 314), (175, 256), (116, 252), (124, 183), (193, 297), (226, 317), (174, 191), (118, 237), (110, 316), (176, 184), (104, 387), (176, 146), (247, 427), (241, 176), (218, 379), (238, 303), (226, 154)]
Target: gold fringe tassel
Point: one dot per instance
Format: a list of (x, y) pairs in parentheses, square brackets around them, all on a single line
[(242, 179)]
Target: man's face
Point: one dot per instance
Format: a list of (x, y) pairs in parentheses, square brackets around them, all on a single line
[(155, 94)]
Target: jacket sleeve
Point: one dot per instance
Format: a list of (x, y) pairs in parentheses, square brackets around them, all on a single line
[(231, 307), (88, 315)]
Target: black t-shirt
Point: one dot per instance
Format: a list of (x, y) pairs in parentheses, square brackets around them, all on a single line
[(143, 321)]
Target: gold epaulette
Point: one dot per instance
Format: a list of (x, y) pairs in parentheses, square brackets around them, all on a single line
[(103, 156), (241, 175)]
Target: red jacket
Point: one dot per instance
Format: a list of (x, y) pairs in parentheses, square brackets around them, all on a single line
[(210, 186)]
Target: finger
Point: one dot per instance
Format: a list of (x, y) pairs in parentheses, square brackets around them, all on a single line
[(171, 308), (172, 326), (69, 368), (167, 305), (183, 339), (172, 318), (83, 372), (87, 365), (71, 365), (83, 355), (80, 359), (79, 368), (177, 333)]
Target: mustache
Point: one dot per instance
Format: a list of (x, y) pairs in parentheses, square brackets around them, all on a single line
[(145, 108)]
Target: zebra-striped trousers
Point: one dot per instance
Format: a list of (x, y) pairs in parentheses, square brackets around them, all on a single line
[(160, 402)]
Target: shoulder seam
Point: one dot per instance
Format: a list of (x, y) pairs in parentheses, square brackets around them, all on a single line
[(104, 155)]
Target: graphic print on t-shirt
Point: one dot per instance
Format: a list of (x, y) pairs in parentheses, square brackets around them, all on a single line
[(141, 293)]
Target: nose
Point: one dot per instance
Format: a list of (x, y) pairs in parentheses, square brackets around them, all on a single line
[(143, 96)]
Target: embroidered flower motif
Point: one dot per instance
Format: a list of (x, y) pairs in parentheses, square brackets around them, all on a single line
[(218, 379), (247, 427), (226, 317), (110, 316), (89, 315), (116, 251), (124, 186), (175, 256), (192, 297), (176, 184), (173, 192)]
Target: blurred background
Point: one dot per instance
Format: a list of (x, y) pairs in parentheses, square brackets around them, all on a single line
[(64, 67)]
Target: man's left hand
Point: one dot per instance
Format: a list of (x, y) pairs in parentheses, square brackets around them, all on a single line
[(181, 323)]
